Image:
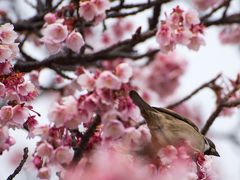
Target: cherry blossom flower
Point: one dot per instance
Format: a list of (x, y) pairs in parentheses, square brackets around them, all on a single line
[(75, 41), (55, 33), (180, 28), (7, 34), (50, 18), (63, 155), (108, 80), (44, 173), (230, 35), (124, 72), (87, 10), (44, 149)]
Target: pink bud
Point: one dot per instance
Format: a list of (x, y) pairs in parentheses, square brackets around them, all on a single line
[(75, 41), (87, 10), (50, 18)]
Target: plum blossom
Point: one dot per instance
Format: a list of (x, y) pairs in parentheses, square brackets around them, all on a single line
[(74, 41), (180, 28)]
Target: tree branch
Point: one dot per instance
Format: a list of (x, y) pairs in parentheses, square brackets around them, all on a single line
[(79, 151), (20, 166), (207, 84)]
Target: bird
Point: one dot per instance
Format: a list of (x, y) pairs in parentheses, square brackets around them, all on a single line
[(169, 128)]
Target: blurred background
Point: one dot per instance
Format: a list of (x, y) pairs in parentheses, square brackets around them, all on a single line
[(210, 60)]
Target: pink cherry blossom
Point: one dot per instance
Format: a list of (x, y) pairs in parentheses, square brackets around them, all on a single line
[(113, 129), (63, 155), (55, 32), (124, 72), (44, 173), (101, 5), (50, 18), (20, 114), (25, 88), (7, 34), (2, 89), (6, 113), (75, 41), (44, 149), (5, 53), (52, 47), (180, 27), (108, 80), (87, 10), (86, 81)]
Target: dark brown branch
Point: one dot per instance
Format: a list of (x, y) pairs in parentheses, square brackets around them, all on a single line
[(79, 151), (20, 166), (223, 103), (156, 13), (231, 19), (108, 53), (232, 103), (207, 84)]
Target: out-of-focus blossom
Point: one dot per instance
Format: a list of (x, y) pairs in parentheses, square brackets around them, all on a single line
[(113, 129), (164, 73), (44, 149), (124, 72), (63, 155), (204, 5), (230, 35), (50, 18), (44, 173)]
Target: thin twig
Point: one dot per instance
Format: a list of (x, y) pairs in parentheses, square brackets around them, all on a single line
[(20, 166), (79, 151), (207, 84), (223, 103)]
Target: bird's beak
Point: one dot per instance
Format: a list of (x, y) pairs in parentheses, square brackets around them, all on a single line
[(215, 153)]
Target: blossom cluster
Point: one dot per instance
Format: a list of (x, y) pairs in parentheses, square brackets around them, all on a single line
[(230, 35), (93, 10), (175, 163), (180, 27), (162, 75), (15, 91), (8, 47), (204, 5), (56, 33)]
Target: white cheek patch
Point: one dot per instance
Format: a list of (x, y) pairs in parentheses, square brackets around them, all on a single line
[(207, 146)]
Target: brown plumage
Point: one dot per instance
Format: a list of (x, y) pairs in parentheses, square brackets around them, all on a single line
[(169, 128)]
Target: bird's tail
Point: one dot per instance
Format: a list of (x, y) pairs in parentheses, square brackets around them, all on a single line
[(137, 100)]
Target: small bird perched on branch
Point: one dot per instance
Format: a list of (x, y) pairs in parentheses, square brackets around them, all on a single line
[(169, 128)]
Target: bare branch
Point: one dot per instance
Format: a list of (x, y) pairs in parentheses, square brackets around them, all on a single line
[(20, 166), (79, 151), (207, 84)]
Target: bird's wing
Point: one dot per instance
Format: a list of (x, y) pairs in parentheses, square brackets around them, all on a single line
[(176, 115)]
